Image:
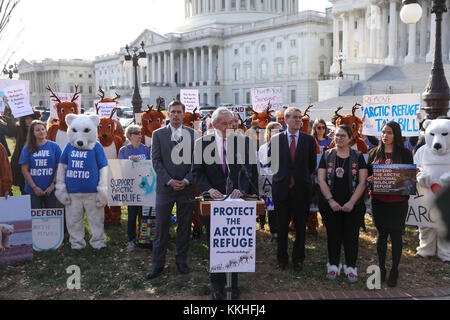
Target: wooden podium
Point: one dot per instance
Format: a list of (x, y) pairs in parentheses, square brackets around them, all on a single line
[(205, 207)]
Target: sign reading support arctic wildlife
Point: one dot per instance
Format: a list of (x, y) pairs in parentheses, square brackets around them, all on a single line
[(232, 238), (401, 108), (105, 109), (421, 211), (62, 97), (265, 185), (18, 100), (394, 179), (262, 96), (131, 183), (190, 99), (48, 228)]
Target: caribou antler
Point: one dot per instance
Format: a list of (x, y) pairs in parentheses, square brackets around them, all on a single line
[(117, 97), (306, 111), (240, 119), (112, 112), (53, 94), (254, 112), (355, 107), (76, 94), (97, 108), (337, 110), (195, 109), (102, 93), (150, 107)]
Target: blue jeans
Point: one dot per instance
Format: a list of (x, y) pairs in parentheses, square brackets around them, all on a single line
[(44, 201)]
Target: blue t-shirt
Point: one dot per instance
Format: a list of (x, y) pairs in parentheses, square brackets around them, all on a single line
[(42, 164), (142, 152), (83, 167), (324, 143)]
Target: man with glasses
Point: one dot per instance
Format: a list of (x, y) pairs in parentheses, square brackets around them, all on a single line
[(280, 118), (174, 185)]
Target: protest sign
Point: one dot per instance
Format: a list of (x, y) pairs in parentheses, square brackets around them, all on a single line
[(131, 183), (238, 109), (18, 100), (190, 99), (265, 185), (421, 211), (4, 83), (262, 96), (16, 229), (138, 118), (63, 97), (232, 238), (48, 228), (105, 109), (394, 179), (401, 108)]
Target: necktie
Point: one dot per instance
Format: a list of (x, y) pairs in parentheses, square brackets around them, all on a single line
[(292, 150), (224, 157)]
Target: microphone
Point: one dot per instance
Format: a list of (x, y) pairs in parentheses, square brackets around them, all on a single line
[(244, 171)]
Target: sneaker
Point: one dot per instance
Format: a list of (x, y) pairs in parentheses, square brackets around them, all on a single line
[(351, 273), (130, 246), (333, 271)]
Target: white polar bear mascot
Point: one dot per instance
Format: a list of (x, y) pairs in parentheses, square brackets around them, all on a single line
[(82, 181), (433, 160)]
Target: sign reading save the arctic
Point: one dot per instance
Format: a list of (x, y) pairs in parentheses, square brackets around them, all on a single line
[(233, 240), (401, 108)]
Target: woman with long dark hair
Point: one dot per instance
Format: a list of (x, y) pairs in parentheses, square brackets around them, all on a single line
[(320, 133), (342, 178), (39, 160), (389, 211)]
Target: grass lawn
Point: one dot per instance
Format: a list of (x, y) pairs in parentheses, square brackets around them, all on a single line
[(113, 273)]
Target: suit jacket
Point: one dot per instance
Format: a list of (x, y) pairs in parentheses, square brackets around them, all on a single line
[(166, 169), (210, 175), (302, 168)]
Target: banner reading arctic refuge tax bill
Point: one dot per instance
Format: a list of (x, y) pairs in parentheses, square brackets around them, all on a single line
[(131, 183), (232, 238), (401, 108)]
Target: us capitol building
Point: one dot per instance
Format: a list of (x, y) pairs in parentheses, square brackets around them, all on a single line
[(227, 47)]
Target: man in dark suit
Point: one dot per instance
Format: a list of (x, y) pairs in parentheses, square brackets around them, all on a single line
[(223, 166), (292, 185), (172, 148)]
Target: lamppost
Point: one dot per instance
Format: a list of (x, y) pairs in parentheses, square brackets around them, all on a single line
[(11, 70), (437, 92), (135, 59), (340, 59)]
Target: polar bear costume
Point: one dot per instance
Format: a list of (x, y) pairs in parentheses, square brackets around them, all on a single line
[(81, 183), (433, 160)]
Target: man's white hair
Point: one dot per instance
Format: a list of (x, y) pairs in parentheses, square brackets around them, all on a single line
[(220, 111)]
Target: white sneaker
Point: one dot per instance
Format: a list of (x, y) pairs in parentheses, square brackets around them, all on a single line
[(130, 246)]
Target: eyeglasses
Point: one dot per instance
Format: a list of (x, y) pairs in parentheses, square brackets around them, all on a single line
[(320, 128), (341, 136), (136, 132)]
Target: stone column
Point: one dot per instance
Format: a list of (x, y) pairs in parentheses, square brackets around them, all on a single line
[(384, 33), (188, 67), (351, 34), (160, 65), (202, 66), (445, 27), (255, 61), (373, 31), (336, 45), (153, 67), (227, 5), (218, 5), (220, 63), (210, 65), (195, 67), (411, 57), (392, 58), (423, 30), (430, 54), (194, 7), (172, 67), (258, 6), (181, 72), (166, 68), (403, 35), (345, 44)]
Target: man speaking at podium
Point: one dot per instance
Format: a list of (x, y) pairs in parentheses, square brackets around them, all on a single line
[(222, 170)]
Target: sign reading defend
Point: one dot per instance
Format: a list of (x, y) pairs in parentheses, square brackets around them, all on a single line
[(394, 179), (233, 236), (48, 228)]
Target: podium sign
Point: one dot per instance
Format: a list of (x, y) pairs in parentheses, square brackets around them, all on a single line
[(233, 236)]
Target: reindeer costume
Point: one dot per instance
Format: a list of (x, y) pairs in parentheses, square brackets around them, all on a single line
[(152, 120)]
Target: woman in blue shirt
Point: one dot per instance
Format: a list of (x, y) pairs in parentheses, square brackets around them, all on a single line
[(134, 151), (39, 161)]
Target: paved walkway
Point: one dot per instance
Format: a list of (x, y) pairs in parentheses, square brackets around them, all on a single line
[(407, 294)]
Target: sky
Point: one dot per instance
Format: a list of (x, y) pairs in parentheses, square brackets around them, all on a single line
[(84, 29)]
